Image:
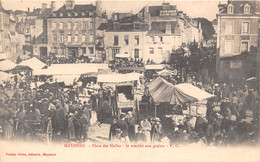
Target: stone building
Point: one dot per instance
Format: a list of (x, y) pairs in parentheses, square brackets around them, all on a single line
[(72, 30), (237, 40)]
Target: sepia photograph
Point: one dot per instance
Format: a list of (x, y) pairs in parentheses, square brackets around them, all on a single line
[(114, 80)]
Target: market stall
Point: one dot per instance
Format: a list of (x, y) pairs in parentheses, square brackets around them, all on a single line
[(6, 65), (164, 92)]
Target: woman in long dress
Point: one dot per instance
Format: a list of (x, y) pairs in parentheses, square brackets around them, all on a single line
[(146, 126)]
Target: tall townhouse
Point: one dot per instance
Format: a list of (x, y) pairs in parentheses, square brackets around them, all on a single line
[(237, 41), (125, 38), (72, 30)]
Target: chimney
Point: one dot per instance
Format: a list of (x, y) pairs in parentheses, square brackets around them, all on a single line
[(53, 5), (70, 4), (44, 6), (28, 9), (166, 6), (168, 29)]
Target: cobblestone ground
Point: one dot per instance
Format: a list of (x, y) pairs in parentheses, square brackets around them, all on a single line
[(99, 133)]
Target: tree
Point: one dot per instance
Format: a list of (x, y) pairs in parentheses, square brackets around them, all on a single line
[(207, 28)]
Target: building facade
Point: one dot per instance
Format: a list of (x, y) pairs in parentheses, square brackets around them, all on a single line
[(125, 38), (169, 30), (237, 40), (72, 30)]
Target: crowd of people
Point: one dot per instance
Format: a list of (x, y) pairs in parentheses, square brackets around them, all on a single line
[(126, 129), (62, 60)]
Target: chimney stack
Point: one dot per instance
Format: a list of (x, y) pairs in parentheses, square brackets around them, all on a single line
[(44, 6), (28, 9), (53, 5)]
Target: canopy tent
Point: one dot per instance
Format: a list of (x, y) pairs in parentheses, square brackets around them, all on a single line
[(7, 65), (154, 67), (117, 78), (70, 69), (33, 63), (165, 92), (122, 56), (165, 72), (5, 76)]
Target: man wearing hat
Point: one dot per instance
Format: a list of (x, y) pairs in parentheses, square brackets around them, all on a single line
[(130, 120), (156, 130), (123, 127)]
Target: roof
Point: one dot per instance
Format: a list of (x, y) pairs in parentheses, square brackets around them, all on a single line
[(214, 22), (35, 12), (103, 26), (3, 10), (130, 19), (33, 63), (7, 65), (77, 9), (45, 13), (127, 24), (238, 6), (160, 27), (155, 10), (18, 12)]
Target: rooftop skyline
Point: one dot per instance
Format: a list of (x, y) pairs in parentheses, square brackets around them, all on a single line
[(192, 8)]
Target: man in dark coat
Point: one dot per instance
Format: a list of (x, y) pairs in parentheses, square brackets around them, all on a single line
[(123, 127), (130, 120), (84, 125)]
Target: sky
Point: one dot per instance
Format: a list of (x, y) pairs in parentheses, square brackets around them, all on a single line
[(203, 8)]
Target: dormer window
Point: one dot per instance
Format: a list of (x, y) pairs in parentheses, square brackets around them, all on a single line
[(75, 13), (61, 14), (69, 14), (246, 9), (230, 9)]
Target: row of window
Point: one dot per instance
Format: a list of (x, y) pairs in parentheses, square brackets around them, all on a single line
[(61, 50), (151, 51), (160, 50), (126, 40), (231, 9), (230, 27), (86, 25), (229, 44), (117, 51), (83, 38)]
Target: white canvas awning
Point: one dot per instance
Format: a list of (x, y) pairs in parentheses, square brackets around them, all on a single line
[(5, 76), (70, 69), (33, 63), (7, 65), (122, 56), (154, 67), (117, 78)]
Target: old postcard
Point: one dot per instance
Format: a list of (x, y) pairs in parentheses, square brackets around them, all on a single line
[(118, 80)]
